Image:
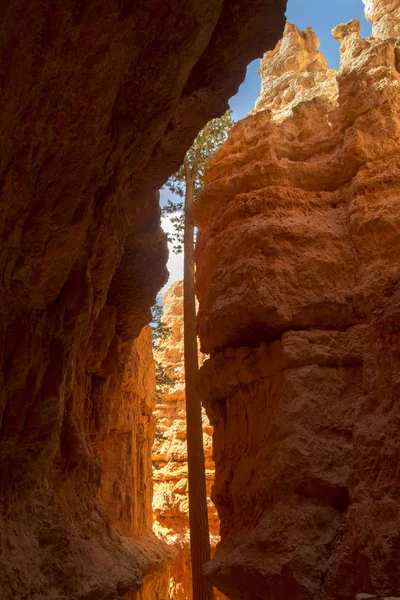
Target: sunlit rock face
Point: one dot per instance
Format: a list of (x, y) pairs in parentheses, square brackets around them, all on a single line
[(99, 103), (385, 17), (298, 286), (294, 72), (170, 472)]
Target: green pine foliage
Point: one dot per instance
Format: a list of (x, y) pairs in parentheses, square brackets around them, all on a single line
[(160, 334), (209, 140)]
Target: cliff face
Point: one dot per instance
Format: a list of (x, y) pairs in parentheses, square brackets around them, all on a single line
[(170, 472), (297, 268), (99, 103)]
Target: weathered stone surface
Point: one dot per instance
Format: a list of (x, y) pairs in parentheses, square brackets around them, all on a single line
[(170, 472), (297, 268), (131, 426), (99, 103), (371, 543), (338, 164), (294, 72), (385, 17), (43, 548), (283, 431)]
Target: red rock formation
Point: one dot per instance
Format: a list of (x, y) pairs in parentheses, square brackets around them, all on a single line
[(368, 558), (294, 72), (297, 260), (170, 472), (99, 103)]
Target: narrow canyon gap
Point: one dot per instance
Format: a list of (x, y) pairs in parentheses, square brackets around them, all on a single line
[(298, 282), (170, 468), (100, 101)]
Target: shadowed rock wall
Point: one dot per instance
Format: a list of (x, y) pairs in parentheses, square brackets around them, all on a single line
[(99, 103), (298, 285)]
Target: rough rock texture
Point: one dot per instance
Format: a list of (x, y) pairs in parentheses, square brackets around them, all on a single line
[(297, 268), (385, 17), (371, 542), (170, 502), (46, 551), (131, 432), (100, 100), (295, 71)]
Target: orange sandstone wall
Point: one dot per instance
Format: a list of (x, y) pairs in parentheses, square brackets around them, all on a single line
[(298, 279), (100, 101)]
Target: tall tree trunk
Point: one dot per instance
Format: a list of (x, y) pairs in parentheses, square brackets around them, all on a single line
[(198, 513)]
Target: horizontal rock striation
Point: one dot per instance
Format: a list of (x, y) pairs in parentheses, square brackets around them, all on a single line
[(100, 101), (297, 280)]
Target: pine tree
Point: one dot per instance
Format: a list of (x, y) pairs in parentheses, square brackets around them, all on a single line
[(187, 184), (160, 334)]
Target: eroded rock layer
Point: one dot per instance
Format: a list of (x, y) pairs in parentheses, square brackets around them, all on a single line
[(100, 100), (298, 282), (294, 72), (170, 471)]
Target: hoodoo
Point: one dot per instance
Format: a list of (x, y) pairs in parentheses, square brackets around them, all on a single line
[(298, 280), (99, 103)]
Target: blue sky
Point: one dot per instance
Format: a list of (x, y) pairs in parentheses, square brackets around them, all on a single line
[(322, 16)]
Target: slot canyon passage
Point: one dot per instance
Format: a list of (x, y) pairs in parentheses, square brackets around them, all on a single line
[(170, 469), (298, 285)]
